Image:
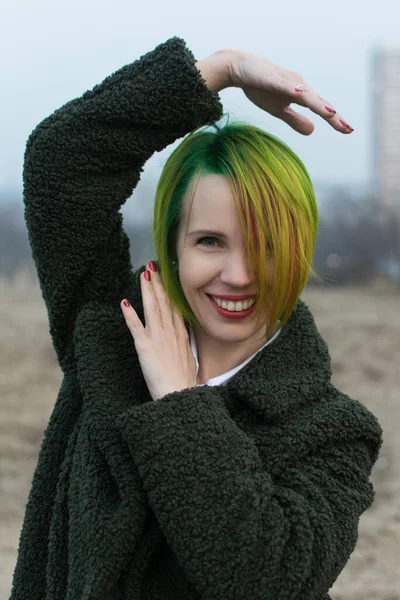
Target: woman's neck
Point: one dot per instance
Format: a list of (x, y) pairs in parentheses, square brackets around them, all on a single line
[(216, 357)]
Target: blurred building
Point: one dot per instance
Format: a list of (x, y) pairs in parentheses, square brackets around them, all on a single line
[(385, 84)]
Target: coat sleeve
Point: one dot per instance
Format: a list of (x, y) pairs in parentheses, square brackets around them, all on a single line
[(82, 163), (237, 531)]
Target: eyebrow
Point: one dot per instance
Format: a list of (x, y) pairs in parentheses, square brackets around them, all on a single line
[(207, 232)]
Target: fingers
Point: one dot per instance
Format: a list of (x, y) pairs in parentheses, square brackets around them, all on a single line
[(153, 305), (157, 309), (151, 309), (310, 99), (298, 91), (132, 320), (168, 318)]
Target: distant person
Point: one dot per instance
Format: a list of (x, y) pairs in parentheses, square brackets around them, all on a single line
[(198, 448)]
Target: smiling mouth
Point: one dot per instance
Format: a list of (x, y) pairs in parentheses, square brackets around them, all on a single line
[(233, 306)]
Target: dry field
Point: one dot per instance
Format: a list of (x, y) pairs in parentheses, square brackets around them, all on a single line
[(362, 328)]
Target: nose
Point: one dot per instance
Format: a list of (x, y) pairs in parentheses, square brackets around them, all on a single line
[(236, 272)]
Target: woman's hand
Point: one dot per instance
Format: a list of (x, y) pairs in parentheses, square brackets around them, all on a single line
[(269, 87), (163, 346)]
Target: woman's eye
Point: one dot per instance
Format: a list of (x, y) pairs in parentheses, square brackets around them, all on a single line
[(207, 239)]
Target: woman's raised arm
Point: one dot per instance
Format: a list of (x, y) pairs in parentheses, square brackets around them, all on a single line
[(83, 162)]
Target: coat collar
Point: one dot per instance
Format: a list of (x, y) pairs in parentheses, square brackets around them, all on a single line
[(292, 371)]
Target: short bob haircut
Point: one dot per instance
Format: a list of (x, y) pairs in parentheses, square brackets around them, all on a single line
[(275, 203)]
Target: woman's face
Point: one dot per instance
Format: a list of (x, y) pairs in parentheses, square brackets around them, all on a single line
[(212, 259)]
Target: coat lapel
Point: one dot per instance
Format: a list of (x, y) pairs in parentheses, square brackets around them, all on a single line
[(292, 371)]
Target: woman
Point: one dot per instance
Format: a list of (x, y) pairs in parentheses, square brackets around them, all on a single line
[(189, 454)]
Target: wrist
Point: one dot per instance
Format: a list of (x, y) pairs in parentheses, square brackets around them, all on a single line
[(215, 70)]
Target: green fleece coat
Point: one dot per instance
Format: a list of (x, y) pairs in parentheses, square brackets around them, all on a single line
[(251, 490)]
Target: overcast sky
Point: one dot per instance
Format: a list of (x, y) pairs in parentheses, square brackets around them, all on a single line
[(52, 51)]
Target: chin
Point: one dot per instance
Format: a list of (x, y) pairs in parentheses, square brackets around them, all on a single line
[(227, 332)]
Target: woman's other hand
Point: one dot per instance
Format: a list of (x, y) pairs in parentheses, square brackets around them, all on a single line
[(270, 87), (163, 346)]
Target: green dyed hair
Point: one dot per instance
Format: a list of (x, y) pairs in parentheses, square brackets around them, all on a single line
[(275, 203)]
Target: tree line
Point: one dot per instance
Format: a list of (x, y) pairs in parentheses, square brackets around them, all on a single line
[(358, 238)]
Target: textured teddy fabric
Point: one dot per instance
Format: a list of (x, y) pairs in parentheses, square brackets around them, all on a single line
[(251, 490)]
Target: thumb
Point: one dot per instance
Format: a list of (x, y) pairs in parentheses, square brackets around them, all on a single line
[(297, 121)]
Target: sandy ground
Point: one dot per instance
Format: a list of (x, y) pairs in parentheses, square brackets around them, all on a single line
[(362, 328)]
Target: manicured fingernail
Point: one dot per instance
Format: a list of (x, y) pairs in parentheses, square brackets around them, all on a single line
[(147, 275), (330, 109), (126, 302), (345, 124), (153, 265), (299, 88)]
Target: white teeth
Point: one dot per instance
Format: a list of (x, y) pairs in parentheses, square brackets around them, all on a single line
[(234, 306)]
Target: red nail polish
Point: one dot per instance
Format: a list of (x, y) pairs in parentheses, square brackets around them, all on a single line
[(330, 109), (345, 124), (153, 265), (126, 302), (147, 275)]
